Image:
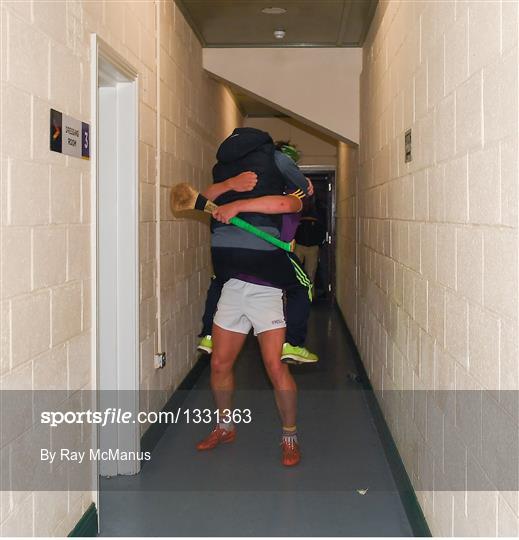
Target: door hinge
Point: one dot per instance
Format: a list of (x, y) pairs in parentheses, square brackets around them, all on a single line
[(329, 186), (329, 287)]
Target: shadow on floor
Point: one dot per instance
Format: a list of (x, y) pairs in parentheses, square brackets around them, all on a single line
[(241, 489)]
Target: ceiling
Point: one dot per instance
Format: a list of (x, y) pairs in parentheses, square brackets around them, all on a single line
[(307, 23)]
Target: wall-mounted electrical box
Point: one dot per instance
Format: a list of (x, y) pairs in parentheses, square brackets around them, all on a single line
[(160, 360)]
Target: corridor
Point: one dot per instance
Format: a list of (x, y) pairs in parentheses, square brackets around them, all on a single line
[(405, 115), (242, 489)]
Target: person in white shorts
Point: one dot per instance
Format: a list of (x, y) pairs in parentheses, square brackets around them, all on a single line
[(244, 304)]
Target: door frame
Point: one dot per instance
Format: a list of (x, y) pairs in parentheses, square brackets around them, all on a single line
[(127, 379), (329, 170)]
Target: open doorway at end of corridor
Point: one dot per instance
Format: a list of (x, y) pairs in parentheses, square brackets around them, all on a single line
[(323, 211)]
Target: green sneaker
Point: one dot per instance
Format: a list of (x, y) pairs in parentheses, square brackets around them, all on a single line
[(297, 355), (205, 345)]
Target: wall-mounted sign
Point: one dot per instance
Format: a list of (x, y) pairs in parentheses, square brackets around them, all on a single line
[(69, 135), (408, 153)]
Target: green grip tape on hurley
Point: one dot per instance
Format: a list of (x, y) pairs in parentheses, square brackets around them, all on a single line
[(244, 225)]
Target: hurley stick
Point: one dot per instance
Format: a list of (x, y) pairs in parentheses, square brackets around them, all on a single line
[(184, 197)]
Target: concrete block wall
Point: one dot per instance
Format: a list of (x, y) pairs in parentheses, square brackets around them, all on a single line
[(346, 232), (196, 113), (46, 274), (437, 250)]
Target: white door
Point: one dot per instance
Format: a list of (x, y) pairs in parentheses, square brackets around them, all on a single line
[(117, 278)]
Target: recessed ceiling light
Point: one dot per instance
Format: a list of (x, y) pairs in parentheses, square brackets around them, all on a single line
[(273, 10), (279, 33)]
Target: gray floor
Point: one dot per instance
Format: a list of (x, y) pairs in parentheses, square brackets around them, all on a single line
[(241, 489)]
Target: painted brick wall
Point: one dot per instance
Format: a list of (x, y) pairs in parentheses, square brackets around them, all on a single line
[(346, 232), (45, 210), (437, 250)]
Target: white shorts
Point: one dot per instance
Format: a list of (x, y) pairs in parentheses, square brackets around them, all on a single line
[(243, 306)]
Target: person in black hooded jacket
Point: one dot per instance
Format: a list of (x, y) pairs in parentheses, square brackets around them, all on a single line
[(268, 172)]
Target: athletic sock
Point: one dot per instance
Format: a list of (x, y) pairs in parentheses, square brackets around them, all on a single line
[(289, 435), (228, 426)]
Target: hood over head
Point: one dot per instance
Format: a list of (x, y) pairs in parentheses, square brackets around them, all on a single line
[(241, 142)]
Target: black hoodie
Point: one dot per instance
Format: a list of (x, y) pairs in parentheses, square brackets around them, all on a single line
[(236, 252), (241, 142), (248, 149)]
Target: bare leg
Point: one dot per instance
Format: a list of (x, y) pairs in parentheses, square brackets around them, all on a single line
[(285, 389), (226, 347)]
